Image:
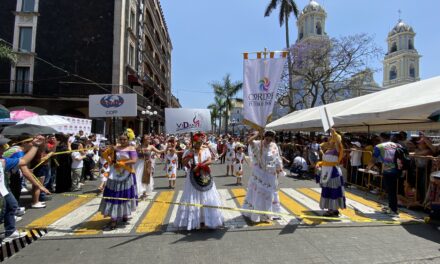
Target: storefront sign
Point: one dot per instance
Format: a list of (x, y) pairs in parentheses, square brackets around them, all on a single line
[(112, 105)]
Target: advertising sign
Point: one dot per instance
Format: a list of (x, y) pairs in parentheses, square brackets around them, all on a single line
[(185, 120), (112, 105)]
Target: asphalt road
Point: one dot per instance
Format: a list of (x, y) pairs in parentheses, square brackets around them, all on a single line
[(282, 242)]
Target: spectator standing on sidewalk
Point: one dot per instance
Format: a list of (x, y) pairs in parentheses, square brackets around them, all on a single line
[(11, 204), (77, 166), (384, 153)]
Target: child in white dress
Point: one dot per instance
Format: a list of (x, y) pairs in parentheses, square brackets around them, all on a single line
[(238, 163), (171, 161)]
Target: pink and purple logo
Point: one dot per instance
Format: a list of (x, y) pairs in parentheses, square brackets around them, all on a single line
[(264, 84), (110, 101)]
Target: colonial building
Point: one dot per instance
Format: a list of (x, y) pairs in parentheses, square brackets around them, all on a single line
[(401, 63), (68, 50)]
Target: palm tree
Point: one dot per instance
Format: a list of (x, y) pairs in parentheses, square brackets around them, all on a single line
[(286, 9), (214, 115), (226, 91), (219, 104)]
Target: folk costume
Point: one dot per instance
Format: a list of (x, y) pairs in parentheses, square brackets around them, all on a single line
[(144, 167), (331, 181), (230, 153), (171, 161), (121, 183), (199, 188), (238, 164), (262, 193)]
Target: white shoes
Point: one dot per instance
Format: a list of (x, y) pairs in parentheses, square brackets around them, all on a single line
[(13, 236), (20, 211), (24, 190), (39, 205), (18, 218)]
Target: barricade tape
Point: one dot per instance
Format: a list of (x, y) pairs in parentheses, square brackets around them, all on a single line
[(300, 217), (60, 153)]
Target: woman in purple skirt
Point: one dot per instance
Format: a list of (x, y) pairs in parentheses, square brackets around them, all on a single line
[(331, 181), (120, 184)]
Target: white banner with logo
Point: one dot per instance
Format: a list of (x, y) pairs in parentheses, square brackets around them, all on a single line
[(76, 124), (112, 105), (261, 78), (185, 120)]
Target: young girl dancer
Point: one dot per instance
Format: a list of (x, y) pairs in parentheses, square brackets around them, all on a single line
[(238, 163), (171, 161)]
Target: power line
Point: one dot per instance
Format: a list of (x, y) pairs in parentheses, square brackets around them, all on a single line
[(79, 76)]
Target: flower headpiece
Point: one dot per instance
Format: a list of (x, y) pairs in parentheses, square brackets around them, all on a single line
[(198, 137)]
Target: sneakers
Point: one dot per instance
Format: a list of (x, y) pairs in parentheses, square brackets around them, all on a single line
[(20, 211), (24, 190), (13, 236), (38, 205)]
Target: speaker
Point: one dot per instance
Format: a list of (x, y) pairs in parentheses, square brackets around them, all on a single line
[(98, 126)]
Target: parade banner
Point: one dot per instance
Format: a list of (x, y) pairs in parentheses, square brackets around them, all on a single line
[(185, 120), (112, 105), (261, 78)]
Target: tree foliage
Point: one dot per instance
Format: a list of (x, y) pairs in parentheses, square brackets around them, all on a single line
[(321, 69)]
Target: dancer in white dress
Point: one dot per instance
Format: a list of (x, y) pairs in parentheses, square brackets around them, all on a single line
[(230, 156), (171, 163), (145, 167), (267, 165), (199, 188), (238, 163)]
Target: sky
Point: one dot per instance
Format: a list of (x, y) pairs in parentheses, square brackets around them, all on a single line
[(209, 36)]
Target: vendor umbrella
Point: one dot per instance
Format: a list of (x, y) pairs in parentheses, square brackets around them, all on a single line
[(4, 112), (45, 120), (435, 116), (21, 114), (27, 130)]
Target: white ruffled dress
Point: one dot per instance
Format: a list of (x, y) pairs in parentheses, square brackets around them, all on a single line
[(190, 217)]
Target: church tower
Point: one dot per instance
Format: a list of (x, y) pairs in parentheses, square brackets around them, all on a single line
[(401, 63), (311, 22)]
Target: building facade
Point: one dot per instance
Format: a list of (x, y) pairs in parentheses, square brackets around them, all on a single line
[(68, 50), (401, 63)]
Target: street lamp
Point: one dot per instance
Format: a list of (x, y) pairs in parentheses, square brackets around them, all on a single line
[(233, 123)]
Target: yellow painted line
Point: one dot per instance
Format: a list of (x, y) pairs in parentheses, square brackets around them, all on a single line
[(55, 215), (93, 226), (375, 205), (298, 209), (348, 212), (155, 217), (239, 194)]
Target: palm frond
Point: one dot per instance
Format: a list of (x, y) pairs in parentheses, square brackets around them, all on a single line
[(270, 7)]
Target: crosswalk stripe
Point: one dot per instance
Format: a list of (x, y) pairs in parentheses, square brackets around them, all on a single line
[(296, 208), (239, 194), (141, 208), (93, 225), (66, 224), (232, 219), (375, 205), (155, 217), (58, 213), (171, 227), (365, 210), (348, 212)]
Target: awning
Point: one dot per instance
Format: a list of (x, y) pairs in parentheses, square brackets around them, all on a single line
[(405, 107)]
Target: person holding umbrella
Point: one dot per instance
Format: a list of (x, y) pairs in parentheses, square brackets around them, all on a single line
[(11, 205)]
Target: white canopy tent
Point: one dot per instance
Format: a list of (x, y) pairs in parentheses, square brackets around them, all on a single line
[(404, 107)]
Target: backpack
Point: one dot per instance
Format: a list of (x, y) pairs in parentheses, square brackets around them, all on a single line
[(402, 159)]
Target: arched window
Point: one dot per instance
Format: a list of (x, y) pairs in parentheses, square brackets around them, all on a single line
[(393, 47), (412, 71), (393, 73), (318, 28), (410, 44)]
